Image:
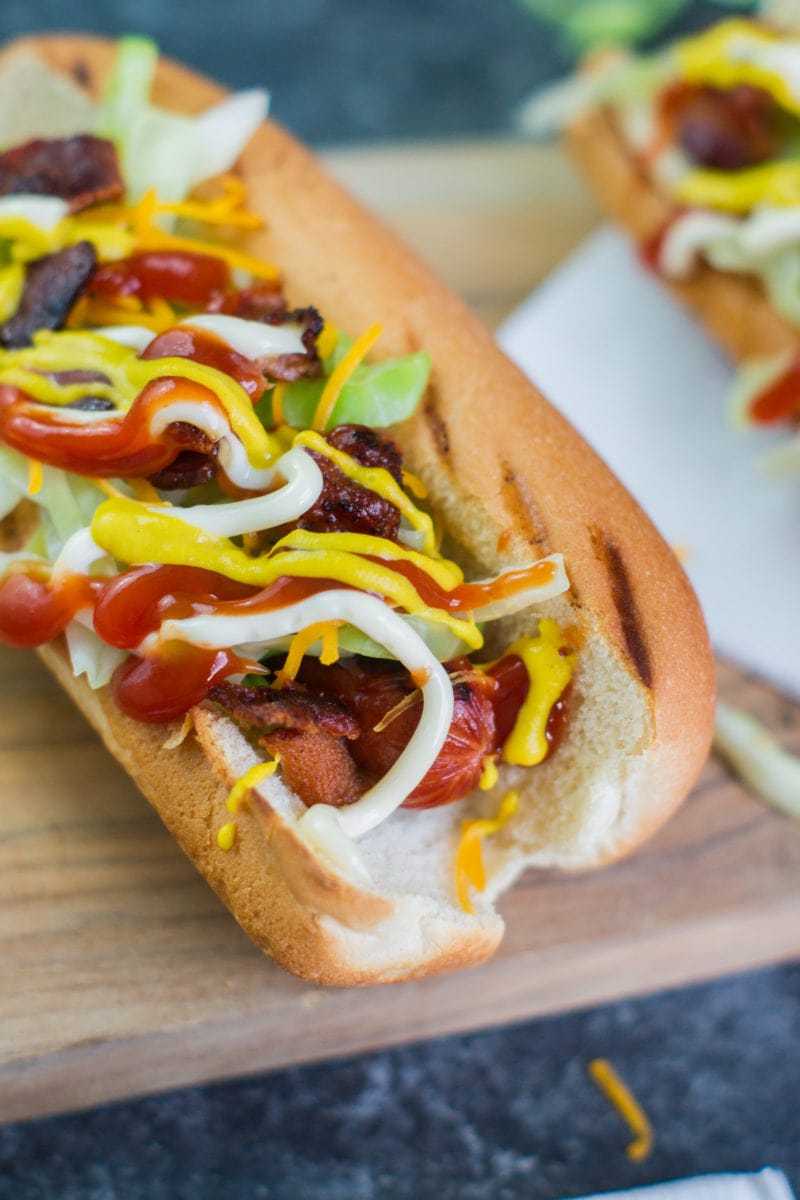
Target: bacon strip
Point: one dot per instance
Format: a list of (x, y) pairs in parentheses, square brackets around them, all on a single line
[(82, 170), (52, 285), (289, 367), (308, 732), (294, 709), (345, 506)]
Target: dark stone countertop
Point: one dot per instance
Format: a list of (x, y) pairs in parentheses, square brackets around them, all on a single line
[(509, 1113)]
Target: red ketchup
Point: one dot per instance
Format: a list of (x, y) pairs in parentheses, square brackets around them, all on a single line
[(123, 445), (466, 597), (32, 612), (780, 400), (203, 347), (178, 276), (163, 686)]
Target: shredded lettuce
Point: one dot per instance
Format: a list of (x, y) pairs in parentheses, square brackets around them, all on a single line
[(441, 641), (13, 479), (92, 657), (163, 150), (376, 394), (66, 502)]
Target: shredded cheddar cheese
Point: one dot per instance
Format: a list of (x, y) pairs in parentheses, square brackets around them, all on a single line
[(35, 477), (249, 780), (327, 631), (105, 485), (469, 855), (276, 396), (340, 375), (610, 1084), (326, 342), (414, 485)]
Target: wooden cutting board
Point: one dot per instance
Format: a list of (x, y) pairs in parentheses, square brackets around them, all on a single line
[(123, 974)]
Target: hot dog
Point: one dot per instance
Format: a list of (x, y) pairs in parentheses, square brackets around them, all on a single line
[(691, 151), (340, 658)]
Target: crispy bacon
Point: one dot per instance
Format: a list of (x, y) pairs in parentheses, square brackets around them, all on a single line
[(289, 367), (369, 448), (253, 303), (725, 129), (190, 469), (52, 285), (308, 731), (345, 506), (192, 466), (82, 170), (294, 709)]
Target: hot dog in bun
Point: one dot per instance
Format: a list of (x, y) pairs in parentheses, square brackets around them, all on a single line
[(368, 623), (694, 152)]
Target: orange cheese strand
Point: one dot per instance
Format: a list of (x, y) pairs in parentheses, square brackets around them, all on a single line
[(149, 236), (225, 209), (340, 375), (302, 641), (326, 342), (35, 477), (626, 1105), (105, 485), (414, 485), (276, 396), (469, 855)]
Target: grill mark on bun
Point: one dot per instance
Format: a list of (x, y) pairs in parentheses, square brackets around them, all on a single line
[(437, 426), (625, 603), (81, 73), (525, 513)]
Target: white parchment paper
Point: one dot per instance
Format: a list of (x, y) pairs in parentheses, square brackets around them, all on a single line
[(634, 373), (765, 1185)]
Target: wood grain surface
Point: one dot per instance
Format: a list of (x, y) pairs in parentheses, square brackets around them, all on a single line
[(123, 974)]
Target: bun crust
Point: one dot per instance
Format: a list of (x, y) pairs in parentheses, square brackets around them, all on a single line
[(733, 307), (511, 480)]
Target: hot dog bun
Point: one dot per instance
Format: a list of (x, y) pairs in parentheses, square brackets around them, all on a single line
[(733, 307), (511, 480)]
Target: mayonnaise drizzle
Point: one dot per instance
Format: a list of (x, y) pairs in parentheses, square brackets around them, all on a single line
[(253, 339), (77, 556), (231, 453), (44, 212), (377, 621), (302, 489), (732, 243)]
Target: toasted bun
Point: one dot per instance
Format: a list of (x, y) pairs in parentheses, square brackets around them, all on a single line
[(733, 307), (510, 480)]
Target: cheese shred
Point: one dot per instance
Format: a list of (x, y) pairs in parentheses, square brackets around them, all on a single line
[(35, 477), (328, 631), (340, 375), (469, 855), (613, 1088)]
